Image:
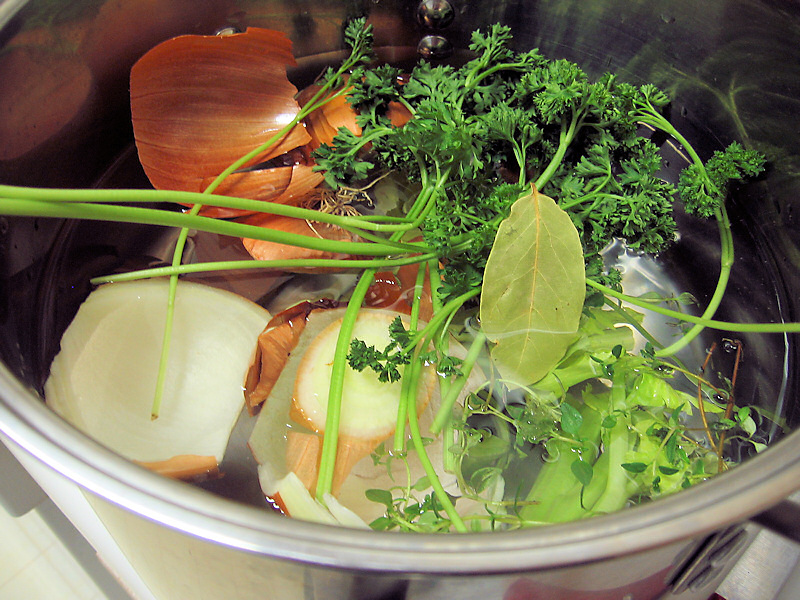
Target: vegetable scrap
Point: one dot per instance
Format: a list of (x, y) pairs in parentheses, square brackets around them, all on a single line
[(102, 379), (486, 369)]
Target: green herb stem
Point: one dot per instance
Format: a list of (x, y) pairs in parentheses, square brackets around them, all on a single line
[(726, 264), (633, 323), (445, 412), (419, 446), (278, 265), (710, 323), (650, 116), (330, 440), (376, 223), (400, 427), (146, 216), (161, 377), (564, 140)]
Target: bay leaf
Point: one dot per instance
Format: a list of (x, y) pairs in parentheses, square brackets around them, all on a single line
[(533, 289)]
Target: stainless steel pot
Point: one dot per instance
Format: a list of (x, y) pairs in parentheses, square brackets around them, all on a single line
[(733, 67)]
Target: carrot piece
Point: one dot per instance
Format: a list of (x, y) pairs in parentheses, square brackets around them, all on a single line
[(396, 292), (303, 452), (323, 123), (187, 467)]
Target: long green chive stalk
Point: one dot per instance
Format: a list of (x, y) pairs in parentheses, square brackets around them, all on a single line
[(161, 377), (167, 218), (330, 440), (376, 223)]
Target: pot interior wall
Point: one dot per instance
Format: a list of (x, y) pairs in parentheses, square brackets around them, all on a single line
[(732, 66)]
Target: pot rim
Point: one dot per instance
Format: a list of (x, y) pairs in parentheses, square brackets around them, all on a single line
[(729, 498)]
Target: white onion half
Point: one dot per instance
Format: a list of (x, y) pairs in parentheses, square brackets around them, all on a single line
[(103, 379)]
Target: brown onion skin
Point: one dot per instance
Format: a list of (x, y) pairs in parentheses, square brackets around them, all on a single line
[(199, 103), (275, 345)]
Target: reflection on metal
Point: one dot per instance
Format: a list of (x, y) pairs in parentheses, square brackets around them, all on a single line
[(763, 570), (229, 30), (711, 560), (434, 47), (435, 14)]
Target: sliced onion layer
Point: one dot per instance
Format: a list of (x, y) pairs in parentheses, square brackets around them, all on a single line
[(103, 379), (369, 406)]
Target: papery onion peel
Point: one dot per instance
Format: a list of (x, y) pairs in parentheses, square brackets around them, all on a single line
[(275, 344), (264, 250), (199, 103)]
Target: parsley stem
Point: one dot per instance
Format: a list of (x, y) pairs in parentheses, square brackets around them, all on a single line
[(448, 457), (148, 216), (710, 323), (439, 317), (726, 264), (435, 278), (564, 140), (419, 446), (445, 412), (288, 264), (330, 440), (417, 299), (402, 407), (399, 438), (474, 80), (649, 115)]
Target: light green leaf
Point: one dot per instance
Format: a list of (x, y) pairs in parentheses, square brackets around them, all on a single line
[(635, 467), (571, 419), (533, 289), (583, 471), (380, 496), (748, 425)]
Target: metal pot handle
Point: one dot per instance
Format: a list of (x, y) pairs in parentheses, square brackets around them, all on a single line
[(783, 518)]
